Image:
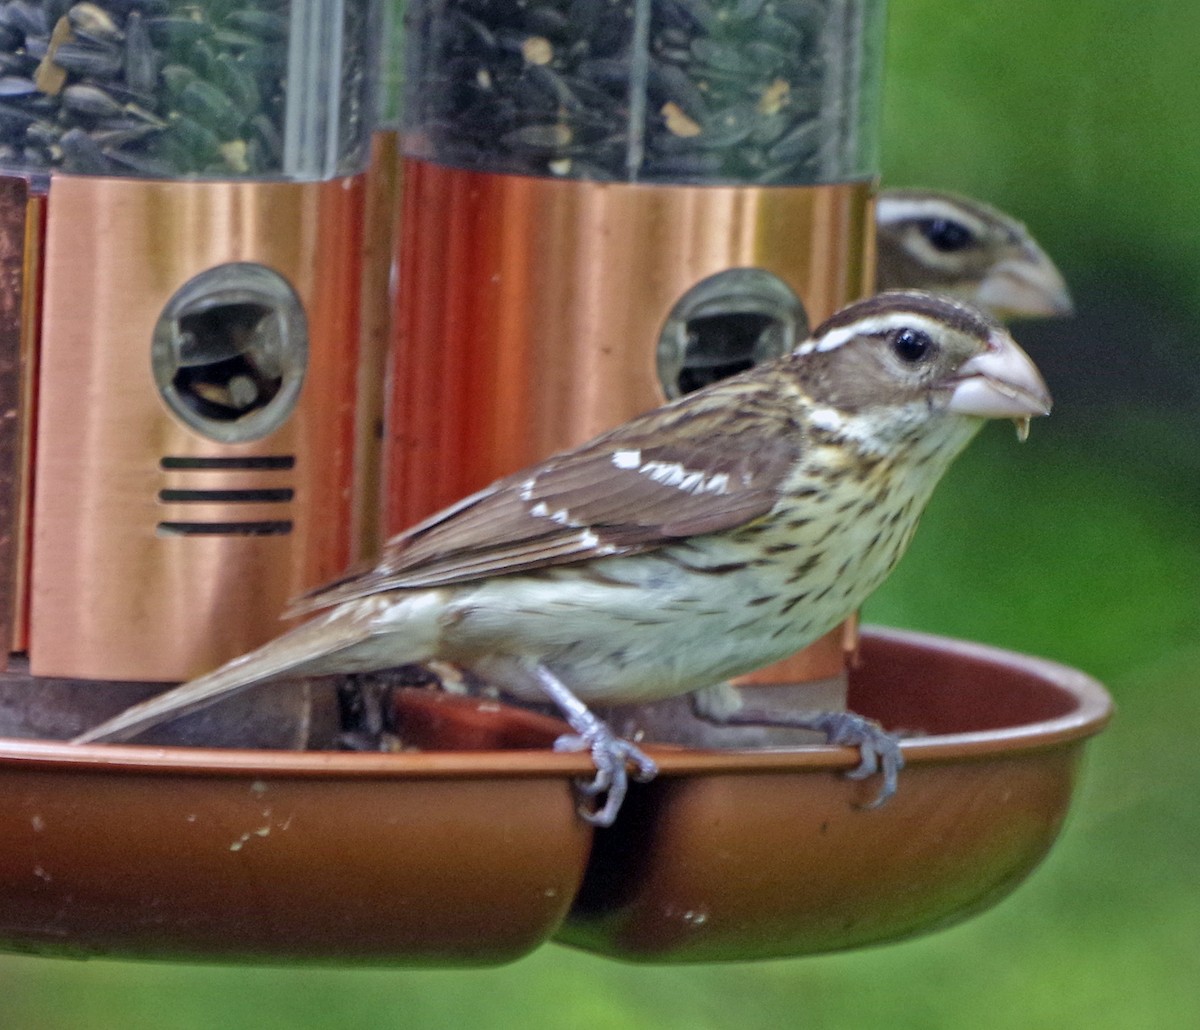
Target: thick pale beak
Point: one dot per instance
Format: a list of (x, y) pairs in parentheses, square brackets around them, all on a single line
[(1029, 286), (1002, 382)]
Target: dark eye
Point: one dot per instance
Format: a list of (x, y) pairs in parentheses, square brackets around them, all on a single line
[(947, 235), (911, 345)]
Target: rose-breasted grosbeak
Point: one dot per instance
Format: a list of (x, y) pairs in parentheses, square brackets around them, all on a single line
[(964, 249), (701, 540)]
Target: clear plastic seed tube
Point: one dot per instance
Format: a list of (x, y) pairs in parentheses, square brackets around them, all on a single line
[(671, 91), (187, 88)]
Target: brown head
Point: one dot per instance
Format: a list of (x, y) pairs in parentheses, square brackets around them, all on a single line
[(897, 360), (964, 249)]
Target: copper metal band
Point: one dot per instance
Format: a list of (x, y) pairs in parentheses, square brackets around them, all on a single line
[(114, 594)]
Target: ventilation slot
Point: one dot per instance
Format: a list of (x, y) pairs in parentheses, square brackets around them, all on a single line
[(279, 527), (227, 495), (251, 464), (274, 496)]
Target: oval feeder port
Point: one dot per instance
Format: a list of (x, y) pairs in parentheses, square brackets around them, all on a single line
[(470, 852)]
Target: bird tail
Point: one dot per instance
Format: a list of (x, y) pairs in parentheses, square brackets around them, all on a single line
[(315, 648)]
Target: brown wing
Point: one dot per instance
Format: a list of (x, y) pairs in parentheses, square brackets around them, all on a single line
[(708, 462)]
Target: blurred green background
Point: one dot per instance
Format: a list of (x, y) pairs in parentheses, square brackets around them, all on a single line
[(1084, 120)]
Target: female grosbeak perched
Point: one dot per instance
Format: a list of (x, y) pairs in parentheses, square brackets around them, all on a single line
[(696, 542), (962, 248)]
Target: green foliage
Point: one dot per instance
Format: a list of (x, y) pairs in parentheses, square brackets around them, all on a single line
[(1042, 549), (1079, 117)]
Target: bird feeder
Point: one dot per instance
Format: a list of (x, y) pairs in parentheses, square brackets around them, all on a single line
[(182, 202), (605, 205)]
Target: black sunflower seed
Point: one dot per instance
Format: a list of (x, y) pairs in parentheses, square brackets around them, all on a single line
[(89, 59), (141, 59), (90, 100)]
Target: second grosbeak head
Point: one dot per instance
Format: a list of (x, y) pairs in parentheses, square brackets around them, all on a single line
[(696, 542), (967, 250)]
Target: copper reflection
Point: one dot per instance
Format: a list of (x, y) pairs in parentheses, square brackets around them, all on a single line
[(530, 309), (380, 226)]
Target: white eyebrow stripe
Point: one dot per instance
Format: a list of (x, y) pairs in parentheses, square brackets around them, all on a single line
[(877, 326), (892, 210)]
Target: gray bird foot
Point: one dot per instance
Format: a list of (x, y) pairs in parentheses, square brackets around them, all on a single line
[(879, 751), (610, 753)]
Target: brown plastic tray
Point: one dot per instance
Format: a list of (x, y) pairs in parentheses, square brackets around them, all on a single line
[(198, 854), (748, 855), (477, 856)]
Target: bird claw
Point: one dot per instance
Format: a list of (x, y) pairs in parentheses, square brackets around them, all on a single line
[(879, 751), (611, 755)]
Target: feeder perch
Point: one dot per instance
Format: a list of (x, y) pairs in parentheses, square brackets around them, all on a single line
[(459, 856)]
